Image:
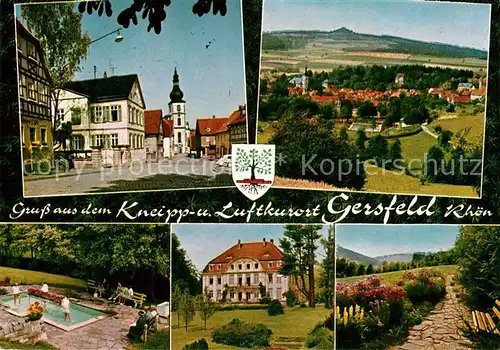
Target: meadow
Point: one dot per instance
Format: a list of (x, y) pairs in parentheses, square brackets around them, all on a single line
[(29, 277)]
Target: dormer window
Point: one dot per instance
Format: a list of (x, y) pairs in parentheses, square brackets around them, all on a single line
[(208, 129), (232, 267), (239, 267), (210, 267), (248, 266), (270, 264), (219, 266), (256, 266)]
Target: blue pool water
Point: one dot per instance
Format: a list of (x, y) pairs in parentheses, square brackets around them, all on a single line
[(53, 310)]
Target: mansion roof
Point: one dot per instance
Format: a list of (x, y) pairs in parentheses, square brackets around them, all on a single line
[(262, 251), (112, 88)]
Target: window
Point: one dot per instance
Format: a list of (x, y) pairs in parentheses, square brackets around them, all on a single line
[(271, 294), (31, 49), (178, 121), (248, 296), (211, 294), (60, 114), (278, 278), (97, 140), (98, 114), (76, 116), (232, 267), (211, 281), (219, 294), (270, 264), (31, 89), (219, 280), (178, 108), (240, 280), (270, 278), (239, 267), (218, 266), (248, 266), (106, 114), (116, 113), (256, 266), (22, 86), (43, 93), (249, 282), (231, 279), (114, 139), (256, 279), (179, 137), (107, 141), (278, 292), (78, 142), (32, 134), (231, 295), (210, 267), (43, 136)]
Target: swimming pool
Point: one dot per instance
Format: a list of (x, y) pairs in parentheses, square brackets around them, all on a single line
[(80, 315)]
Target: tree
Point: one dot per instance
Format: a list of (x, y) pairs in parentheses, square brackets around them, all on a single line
[(360, 139), (64, 44), (367, 109), (434, 163), (369, 269), (346, 111), (206, 307), (328, 280), (343, 134), (187, 308), (175, 300), (263, 87), (64, 134), (361, 270), (257, 162), (299, 246), (444, 138), (378, 149), (395, 153)]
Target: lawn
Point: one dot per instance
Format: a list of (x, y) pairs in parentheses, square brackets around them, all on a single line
[(462, 121), (289, 330), (268, 130), (414, 148), (393, 277), (384, 181), (36, 277), (5, 344)]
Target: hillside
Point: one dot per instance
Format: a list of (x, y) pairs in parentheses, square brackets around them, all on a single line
[(347, 40), (354, 256), (403, 257)]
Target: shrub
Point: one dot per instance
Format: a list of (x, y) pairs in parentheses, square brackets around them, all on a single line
[(200, 344), (159, 340), (232, 307), (291, 299), (7, 280), (319, 337), (424, 285), (35, 311), (3, 291), (265, 300), (242, 334), (275, 308), (302, 304)]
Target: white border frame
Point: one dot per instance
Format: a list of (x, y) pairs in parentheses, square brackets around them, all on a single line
[(391, 193), (41, 2)]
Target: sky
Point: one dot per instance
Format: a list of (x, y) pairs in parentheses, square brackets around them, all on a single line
[(377, 240), (212, 79), (451, 23), (204, 242)]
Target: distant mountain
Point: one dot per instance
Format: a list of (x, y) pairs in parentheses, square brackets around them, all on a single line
[(351, 41), (404, 257), (357, 257)]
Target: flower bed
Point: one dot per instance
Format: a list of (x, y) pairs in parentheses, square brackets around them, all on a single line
[(45, 295)]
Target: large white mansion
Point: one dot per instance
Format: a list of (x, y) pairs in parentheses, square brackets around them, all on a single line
[(244, 270)]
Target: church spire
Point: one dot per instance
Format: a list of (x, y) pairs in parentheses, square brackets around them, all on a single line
[(176, 95)]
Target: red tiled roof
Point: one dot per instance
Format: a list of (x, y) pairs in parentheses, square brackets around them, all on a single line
[(479, 92), (168, 127), (462, 99), (209, 126), (261, 251), (152, 119), (323, 99)]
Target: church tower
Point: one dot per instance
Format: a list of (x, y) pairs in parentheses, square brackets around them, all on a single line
[(177, 113)]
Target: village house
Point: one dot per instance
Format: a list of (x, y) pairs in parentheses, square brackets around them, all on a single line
[(153, 135), (107, 116), (400, 79), (233, 131), (478, 94), (34, 97), (206, 130), (465, 86), (246, 272)]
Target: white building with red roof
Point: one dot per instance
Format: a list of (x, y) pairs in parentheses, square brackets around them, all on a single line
[(247, 272)]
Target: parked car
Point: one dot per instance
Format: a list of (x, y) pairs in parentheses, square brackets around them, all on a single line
[(225, 160)]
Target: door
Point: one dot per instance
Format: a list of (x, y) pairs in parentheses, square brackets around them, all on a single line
[(240, 296)]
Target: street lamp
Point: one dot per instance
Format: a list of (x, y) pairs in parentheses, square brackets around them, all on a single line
[(118, 37)]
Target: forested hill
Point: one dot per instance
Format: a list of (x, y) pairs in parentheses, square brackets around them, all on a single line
[(350, 41)]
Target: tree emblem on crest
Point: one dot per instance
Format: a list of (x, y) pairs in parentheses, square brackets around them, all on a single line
[(256, 163)]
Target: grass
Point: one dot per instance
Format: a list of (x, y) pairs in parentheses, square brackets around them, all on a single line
[(159, 340), (268, 131), (394, 276), (462, 121), (384, 181), (36, 277), (6, 344), (414, 148), (289, 330)]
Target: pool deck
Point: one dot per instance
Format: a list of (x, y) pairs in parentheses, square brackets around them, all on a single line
[(109, 333)]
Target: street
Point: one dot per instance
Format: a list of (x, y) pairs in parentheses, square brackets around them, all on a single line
[(177, 173)]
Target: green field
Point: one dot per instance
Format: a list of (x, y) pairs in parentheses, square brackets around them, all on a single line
[(289, 330), (36, 277), (455, 122), (414, 148), (395, 276)]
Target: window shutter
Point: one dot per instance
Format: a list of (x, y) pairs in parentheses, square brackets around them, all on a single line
[(119, 113), (107, 114)]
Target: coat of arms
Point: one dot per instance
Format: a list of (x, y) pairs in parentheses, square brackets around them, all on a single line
[(253, 169)]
